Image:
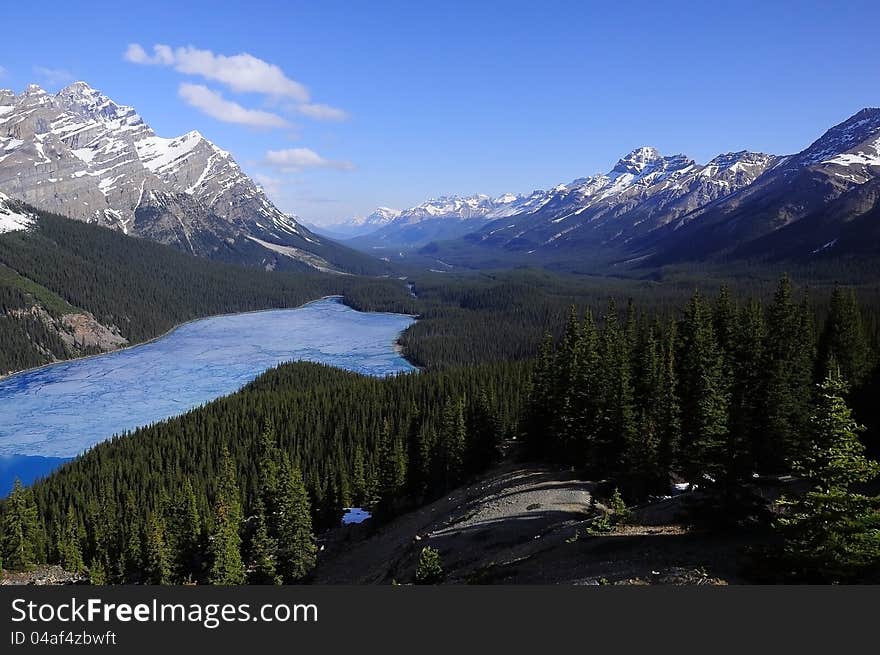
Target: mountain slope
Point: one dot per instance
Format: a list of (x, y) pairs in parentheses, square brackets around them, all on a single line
[(68, 288), (446, 217), (80, 154), (816, 183), (651, 210)]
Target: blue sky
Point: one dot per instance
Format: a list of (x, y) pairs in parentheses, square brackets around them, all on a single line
[(389, 103)]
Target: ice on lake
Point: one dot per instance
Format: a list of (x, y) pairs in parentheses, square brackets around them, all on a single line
[(61, 410)]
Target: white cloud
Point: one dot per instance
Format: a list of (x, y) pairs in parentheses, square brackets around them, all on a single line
[(322, 112), (54, 76), (2, 71), (271, 185), (242, 73), (215, 105), (294, 160)]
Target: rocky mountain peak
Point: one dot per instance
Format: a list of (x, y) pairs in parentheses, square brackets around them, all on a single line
[(638, 160)]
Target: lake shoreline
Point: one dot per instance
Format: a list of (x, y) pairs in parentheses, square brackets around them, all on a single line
[(178, 326)]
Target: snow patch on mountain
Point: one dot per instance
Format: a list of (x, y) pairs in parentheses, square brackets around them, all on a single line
[(12, 220)]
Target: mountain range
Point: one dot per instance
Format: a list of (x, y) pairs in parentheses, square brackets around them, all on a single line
[(80, 154), (656, 209)]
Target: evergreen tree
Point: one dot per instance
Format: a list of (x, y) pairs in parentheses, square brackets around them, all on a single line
[(19, 535), (539, 417), (296, 542), (484, 437), (453, 440), (69, 550), (131, 565), (227, 567), (97, 573), (616, 427), (430, 568), (358, 477), (843, 339), (263, 551), (832, 534), (748, 423), (157, 564), (669, 411), (788, 367), (705, 396), (268, 468)]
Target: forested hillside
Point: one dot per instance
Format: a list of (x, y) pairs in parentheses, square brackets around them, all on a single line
[(672, 386), (135, 287)]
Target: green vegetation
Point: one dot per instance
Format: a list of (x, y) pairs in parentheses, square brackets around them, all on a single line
[(142, 288), (430, 567), (670, 384)]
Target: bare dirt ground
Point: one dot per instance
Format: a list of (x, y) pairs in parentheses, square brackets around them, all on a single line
[(528, 524)]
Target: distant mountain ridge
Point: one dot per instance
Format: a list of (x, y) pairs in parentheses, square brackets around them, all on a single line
[(80, 154), (655, 209)]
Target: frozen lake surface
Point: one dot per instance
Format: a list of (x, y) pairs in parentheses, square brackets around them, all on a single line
[(58, 411)]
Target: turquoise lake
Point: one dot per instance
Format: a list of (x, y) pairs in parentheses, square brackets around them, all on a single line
[(51, 414)]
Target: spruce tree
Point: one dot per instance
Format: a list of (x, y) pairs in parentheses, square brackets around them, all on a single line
[(705, 396), (263, 570), (832, 534), (788, 367), (19, 533), (843, 339), (296, 543), (453, 440), (430, 567), (669, 411), (227, 567), (617, 423), (157, 559), (69, 549)]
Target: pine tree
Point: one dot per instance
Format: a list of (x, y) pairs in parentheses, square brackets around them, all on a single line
[(392, 469), (617, 425), (748, 424), (704, 394), (430, 567), (358, 477), (539, 419), (157, 564), (268, 468), (788, 367), (669, 410), (20, 530), (69, 550), (296, 542), (97, 573), (227, 567), (832, 534), (453, 439), (843, 339), (484, 437), (131, 565), (263, 569)]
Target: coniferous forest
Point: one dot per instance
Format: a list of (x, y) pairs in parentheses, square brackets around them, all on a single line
[(720, 390)]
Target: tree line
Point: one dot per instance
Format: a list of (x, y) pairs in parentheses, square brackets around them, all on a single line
[(235, 491), (723, 395)]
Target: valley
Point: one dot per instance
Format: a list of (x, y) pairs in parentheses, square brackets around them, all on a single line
[(618, 377), (61, 410)]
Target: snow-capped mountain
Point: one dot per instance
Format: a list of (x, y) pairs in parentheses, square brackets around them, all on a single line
[(655, 208), (643, 191), (382, 216), (357, 225), (446, 217), (814, 185), (80, 154)]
